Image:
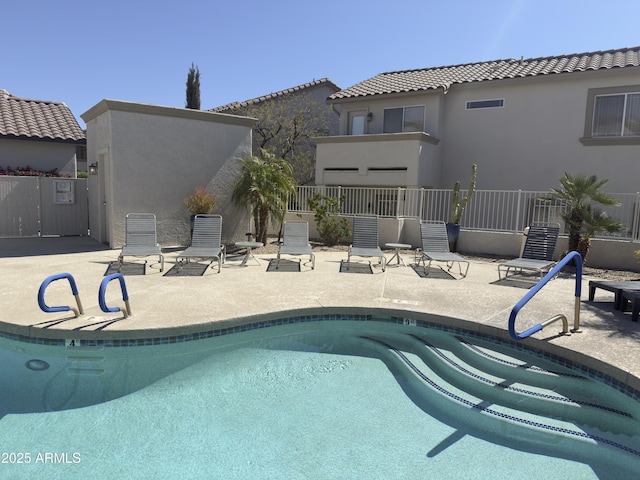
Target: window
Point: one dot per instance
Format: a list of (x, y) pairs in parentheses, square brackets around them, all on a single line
[(497, 103), (616, 115), (612, 116), (404, 119)]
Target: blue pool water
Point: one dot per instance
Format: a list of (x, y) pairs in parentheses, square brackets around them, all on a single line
[(323, 399)]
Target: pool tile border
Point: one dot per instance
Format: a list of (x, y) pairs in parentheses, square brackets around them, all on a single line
[(400, 320)]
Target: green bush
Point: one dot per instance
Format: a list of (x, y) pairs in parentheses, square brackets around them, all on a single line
[(331, 227)]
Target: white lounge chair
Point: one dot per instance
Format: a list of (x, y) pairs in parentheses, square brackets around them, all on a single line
[(537, 254), (435, 248), (206, 242), (296, 242), (141, 239), (365, 241)]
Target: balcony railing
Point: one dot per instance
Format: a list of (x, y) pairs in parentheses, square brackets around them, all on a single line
[(495, 210)]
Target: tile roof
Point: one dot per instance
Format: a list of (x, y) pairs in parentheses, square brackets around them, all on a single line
[(253, 101), (38, 119), (443, 77)]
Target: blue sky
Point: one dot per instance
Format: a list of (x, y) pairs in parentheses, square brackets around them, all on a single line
[(80, 52)]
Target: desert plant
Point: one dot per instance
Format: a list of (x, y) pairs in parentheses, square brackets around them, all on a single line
[(200, 201), (457, 204), (331, 227), (578, 193), (595, 221), (264, 183)]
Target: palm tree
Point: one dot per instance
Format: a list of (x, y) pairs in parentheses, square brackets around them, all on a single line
[(578, 193), (265, 182), (596, 221)]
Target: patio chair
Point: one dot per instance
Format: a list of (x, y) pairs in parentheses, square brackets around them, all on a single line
[(206, 242), (141, 239), (365, 240), (537, 254), (296, 242), (435, 248)]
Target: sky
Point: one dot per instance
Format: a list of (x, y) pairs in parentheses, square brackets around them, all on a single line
[(80, 52)]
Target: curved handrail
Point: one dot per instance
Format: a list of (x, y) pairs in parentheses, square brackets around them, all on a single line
[(125, 295), (64, 308), (523, 301)]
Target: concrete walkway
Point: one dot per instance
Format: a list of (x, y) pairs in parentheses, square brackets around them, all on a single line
[(170, 305)]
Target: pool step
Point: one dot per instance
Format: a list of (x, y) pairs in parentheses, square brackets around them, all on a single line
[(85, 360), (500, 407), (502, 379)]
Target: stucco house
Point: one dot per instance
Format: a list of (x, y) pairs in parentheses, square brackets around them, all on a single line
[(287, 120), (40, 134), (525, 122)]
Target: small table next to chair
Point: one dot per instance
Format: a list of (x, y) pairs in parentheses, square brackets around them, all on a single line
[(397, 247), (249, 246)]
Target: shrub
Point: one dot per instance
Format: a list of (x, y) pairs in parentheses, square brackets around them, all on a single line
[(331, 227), (200, 202), (30, 172)]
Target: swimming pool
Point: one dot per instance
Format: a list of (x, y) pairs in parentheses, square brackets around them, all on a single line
[(351, 396)]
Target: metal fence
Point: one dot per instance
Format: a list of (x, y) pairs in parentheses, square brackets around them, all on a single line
[(495, 210)]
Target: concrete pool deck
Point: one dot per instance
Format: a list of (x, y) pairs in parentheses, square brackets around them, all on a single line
[(169, 305)]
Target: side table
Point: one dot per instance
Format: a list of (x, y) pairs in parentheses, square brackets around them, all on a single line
[(249, 246), (397, 247)]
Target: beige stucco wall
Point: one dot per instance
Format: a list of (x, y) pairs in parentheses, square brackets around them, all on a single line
[(39, 155), (374, 160), (535, 138), (150, 158)]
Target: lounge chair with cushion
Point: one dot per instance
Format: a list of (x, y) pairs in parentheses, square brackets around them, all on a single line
[(365, 241), (141, 239), (296, 242), (537, 254), (206, 242), (435, 248)]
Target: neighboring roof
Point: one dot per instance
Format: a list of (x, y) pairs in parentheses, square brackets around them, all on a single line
[(281, 93), (443, 77), (38, 119)]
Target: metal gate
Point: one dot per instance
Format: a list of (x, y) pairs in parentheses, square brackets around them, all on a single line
[(38, 206)]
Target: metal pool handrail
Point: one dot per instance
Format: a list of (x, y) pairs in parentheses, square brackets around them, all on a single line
[(65, 308), (125, 295), (530, 294)]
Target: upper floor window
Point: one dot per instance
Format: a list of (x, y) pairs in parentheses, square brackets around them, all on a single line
[(616, 115), (404, 119), (612, 116)]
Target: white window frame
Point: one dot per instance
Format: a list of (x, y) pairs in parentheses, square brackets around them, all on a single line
[(623, 119), (404, 108), (588, 139)]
